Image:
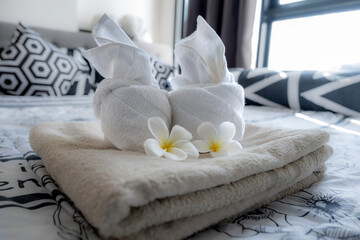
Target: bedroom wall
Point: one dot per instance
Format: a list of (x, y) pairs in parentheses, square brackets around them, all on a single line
[(90, 10), (164, 11), (158, 15), (72, 15), (56, 14)]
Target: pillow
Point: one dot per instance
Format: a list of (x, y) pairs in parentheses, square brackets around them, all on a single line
[(83, 82), (161, 72), (32, 66), (308, 90)]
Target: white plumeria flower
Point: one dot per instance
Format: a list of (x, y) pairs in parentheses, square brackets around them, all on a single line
[(176, 146), (217, 142)]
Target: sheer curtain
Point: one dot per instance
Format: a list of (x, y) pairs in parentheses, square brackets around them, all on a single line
[(233, 20)]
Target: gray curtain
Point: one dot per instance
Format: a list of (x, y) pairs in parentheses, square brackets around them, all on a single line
[(233, 20)]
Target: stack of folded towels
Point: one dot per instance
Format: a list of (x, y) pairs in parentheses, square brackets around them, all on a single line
[(128, 194)]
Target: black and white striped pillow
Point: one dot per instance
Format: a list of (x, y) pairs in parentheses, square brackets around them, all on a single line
[(307, 90)]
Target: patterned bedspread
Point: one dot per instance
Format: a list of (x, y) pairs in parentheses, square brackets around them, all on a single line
[(33, 207)]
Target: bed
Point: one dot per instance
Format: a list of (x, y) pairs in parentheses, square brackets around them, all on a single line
[(33, 207)]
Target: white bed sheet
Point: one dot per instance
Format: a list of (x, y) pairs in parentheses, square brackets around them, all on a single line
[(32, 206)]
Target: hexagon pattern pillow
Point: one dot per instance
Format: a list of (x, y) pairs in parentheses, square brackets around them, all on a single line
[(32, 66)]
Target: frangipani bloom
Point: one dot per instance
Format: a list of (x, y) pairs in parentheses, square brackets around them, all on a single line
[(217, 142), (175, 146)]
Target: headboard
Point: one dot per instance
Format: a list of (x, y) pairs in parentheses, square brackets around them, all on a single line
[(81, 39), (57, 37), (83, 78)]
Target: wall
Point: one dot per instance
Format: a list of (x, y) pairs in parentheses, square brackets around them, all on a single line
[(72, 15), (164, 11), (90, 10), (57, 14), (158, 15)]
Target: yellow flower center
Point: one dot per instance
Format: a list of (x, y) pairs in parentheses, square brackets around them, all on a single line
[(167, 145), (215, 146)]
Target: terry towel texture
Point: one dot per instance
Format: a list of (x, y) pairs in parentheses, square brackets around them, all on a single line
[(205, 91), (129, 95), (133, 196)]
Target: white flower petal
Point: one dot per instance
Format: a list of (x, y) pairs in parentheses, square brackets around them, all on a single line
[(179, 133), (190, 149), (202, 146), (226, 132), (153, 148), (220, 153), (179, 143), (232, 147), (207, 131), (175, 154), (158, 128)]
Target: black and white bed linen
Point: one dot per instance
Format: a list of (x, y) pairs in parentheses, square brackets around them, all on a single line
[(33, 207)]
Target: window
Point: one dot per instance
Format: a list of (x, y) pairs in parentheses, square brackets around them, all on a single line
[(309, 35)]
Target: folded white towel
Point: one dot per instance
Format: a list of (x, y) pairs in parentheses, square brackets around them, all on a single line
[(205, 90), (134, 196), (129, 95)]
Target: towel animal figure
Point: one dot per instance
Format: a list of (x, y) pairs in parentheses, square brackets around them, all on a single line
[(129, 95), (133, 26), (205, 90)]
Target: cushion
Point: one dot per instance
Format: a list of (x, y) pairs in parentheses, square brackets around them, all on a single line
[(83, 82), (161, 72), (32, 66), (307, 90)]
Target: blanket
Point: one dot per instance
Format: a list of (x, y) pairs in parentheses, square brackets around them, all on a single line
[(131, 195)]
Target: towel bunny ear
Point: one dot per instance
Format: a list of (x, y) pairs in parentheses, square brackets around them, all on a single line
[(121, 61), (117, 57), (201, 57), (107, 31)]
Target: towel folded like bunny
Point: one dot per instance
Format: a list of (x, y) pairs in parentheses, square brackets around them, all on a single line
[(205, 90), (129, 95)]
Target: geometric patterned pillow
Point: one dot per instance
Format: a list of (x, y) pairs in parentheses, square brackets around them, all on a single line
[(160, 71), (32, 66), (308, 90), (83, 82)]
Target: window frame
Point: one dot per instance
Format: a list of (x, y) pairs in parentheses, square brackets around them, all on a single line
[(272, 11)]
